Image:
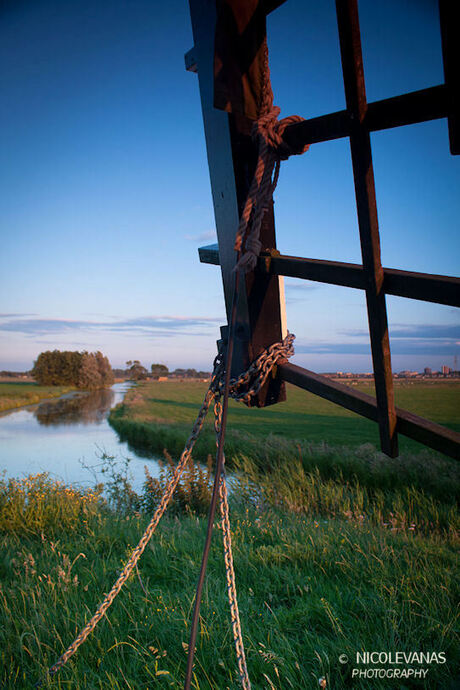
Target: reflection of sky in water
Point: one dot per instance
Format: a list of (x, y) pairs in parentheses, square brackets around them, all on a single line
[(28, 446)]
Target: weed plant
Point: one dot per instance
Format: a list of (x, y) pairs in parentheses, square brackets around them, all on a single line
[(193, 491), (39, 505)]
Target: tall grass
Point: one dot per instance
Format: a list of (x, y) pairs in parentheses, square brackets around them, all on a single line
[(38, 505), (425, 470), (318, 576), (308, 493)]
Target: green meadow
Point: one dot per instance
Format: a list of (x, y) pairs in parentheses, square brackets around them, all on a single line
[(302, 416), (337, 550), (18, 394), (341, 444)]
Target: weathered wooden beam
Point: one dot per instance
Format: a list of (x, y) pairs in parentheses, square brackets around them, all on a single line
[(449, 14), (426, 287), (423, 286), (418, 106), (209, 254), (231, 158), (407, 109), (191, 64), (429, 433), (363, 174)]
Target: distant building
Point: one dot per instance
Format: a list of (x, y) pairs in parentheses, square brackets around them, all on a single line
[(445, 370), (427, 371)]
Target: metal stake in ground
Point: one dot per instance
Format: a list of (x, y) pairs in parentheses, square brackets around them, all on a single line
[(215, 491)]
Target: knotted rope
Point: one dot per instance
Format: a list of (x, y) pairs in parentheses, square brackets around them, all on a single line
[(257, 375), (267, 133)]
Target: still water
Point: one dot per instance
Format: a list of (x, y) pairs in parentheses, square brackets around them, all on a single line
[(59, 436)]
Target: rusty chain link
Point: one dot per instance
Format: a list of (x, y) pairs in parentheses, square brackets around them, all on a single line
[(249, 384), (229, 569)]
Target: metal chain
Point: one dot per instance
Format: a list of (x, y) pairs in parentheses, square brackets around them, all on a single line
[(249, 384), (229, 569), (231, 587), (252, 380), (138, 551)]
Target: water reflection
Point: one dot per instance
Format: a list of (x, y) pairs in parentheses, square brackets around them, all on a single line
[(61, 436), (80, 408)]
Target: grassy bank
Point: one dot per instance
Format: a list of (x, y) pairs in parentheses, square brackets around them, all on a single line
[(314, 583), (302, 416), (321, 436), (18, 394)]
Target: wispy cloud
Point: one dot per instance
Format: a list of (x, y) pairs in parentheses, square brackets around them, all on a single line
[(397, 348), (428, 332), (202, 237), (301, 287), (299, 292), (159, 326), (418, 331), (429, 339)]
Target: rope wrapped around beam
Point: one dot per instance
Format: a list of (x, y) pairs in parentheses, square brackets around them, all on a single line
[(267, 132)]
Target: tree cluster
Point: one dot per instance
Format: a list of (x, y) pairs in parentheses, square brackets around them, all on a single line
[(190, 374), (135, 371), (88, 370), (159, 370)]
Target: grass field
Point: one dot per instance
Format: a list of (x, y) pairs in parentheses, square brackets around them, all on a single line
[(302, 416), (312, 587), (337, 550), (324, 436), (18, 394)]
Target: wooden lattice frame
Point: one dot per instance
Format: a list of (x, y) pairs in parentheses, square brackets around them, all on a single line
[(231, 159)]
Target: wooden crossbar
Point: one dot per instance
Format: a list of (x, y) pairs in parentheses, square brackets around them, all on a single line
[(407, 109), (429, 433), (422, 286), (426, 287)]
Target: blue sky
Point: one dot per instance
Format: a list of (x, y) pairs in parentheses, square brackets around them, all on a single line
[(106, 197)]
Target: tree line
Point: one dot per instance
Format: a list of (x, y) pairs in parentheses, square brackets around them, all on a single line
[(136, 372), (87, 370)]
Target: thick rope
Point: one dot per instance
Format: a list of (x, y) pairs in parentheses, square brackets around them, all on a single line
[(267, 132)]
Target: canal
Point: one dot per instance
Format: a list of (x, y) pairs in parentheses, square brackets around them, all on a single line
[(67, 435)]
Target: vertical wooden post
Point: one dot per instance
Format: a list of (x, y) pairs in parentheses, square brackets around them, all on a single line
[(449, 15), (355, 93), (232, 158)]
